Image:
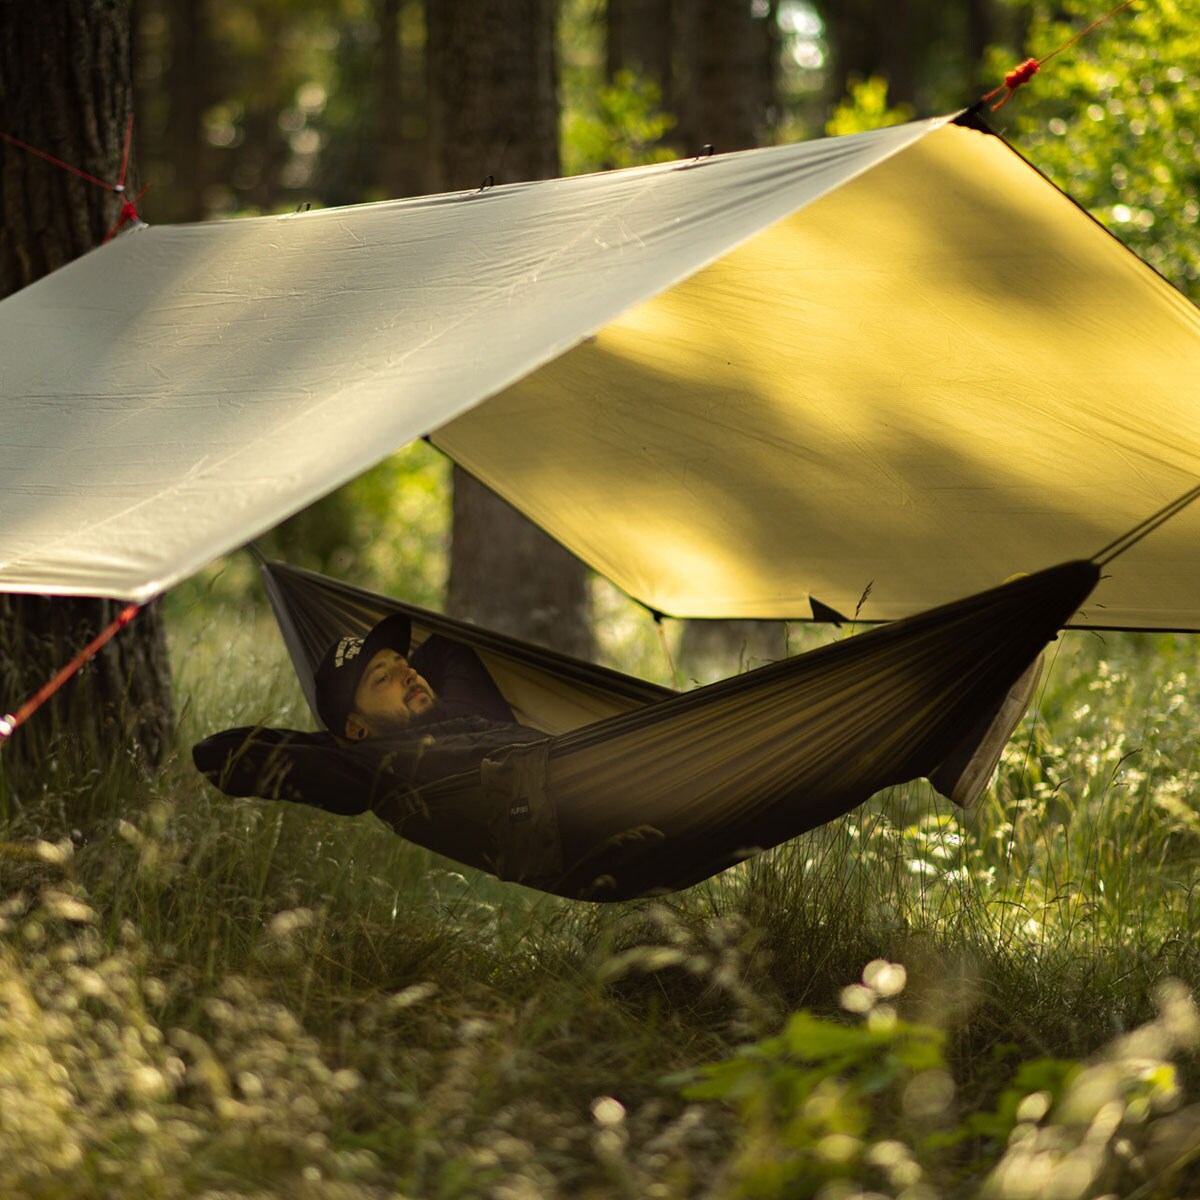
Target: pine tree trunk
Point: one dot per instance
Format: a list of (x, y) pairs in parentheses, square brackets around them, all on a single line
[(390, 162), (867, 39), (65, 87), (726, 81), (722, 80), (493, 110)]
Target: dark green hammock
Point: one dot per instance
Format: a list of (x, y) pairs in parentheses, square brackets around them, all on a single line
[(638, 789)]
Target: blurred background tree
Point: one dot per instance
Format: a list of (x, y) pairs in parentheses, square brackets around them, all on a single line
[(492, 73)]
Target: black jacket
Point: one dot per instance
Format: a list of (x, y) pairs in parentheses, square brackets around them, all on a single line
[(469, 721)]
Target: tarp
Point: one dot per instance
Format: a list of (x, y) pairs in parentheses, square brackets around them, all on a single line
[(900, 360)]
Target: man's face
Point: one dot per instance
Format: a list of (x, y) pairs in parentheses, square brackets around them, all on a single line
[(389, 694)]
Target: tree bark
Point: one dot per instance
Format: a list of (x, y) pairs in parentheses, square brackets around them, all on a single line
[(65, 87), (390, 129), (908, 43), (493, 111)]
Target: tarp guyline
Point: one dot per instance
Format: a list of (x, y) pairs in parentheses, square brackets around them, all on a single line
[(639, 790)]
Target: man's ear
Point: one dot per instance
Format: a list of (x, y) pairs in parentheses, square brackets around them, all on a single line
[(356, 729)]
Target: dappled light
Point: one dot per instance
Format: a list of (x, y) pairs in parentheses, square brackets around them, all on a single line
[(740, 1032), (873, 373), (921, 381)]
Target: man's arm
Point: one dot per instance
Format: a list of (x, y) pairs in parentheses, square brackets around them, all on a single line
[(285, 764), (321, 770)]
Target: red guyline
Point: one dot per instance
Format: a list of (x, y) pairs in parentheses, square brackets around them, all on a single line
[(58, 162), (129, 211), (11, 722), (125, 154), (1030, 67)]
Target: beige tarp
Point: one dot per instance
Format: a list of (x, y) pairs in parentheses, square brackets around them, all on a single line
[(900, 360)]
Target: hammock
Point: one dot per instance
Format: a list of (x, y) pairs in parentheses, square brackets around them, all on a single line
[(638, 789)]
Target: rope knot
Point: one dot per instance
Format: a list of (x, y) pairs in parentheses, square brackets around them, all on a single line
[(1022, 74), (129, 216), (1013, 80)]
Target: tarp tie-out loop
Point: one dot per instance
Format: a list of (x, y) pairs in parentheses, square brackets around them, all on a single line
[(13, 721), (1031, 66), (129, 213)]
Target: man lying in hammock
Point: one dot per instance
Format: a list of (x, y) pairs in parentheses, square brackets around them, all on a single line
[(397, 721), (394, 722)]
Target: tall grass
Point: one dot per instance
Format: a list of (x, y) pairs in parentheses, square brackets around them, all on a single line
[(211, 997)]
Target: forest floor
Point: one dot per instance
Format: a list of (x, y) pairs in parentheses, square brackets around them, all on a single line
[(205, 997)]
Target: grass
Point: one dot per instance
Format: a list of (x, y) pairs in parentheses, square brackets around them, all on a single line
[(210, 997)]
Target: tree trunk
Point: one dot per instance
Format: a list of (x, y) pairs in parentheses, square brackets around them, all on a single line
[(722, 82), (978, 34), (907, 43), (391, 124), (187, 86), (726, 87), (493, 111), (65, 87), (638, 39)]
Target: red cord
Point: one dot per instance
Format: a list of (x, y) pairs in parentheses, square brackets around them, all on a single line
[(58, 162), (129, 213), (11, 722), (1013, 80), (1030, 67)]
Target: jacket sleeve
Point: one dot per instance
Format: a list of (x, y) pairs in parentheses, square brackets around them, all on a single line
[(318, 769), (285, 764), (460, 681)]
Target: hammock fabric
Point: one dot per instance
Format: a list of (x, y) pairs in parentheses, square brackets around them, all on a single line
[(638, 790)]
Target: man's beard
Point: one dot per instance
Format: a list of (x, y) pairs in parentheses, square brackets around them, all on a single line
[(386, 723)]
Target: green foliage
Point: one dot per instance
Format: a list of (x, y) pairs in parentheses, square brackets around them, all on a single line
[(866, 107), (387, 530), (808, 1098), (1113, 120), (821, 1105), (616, 125)]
